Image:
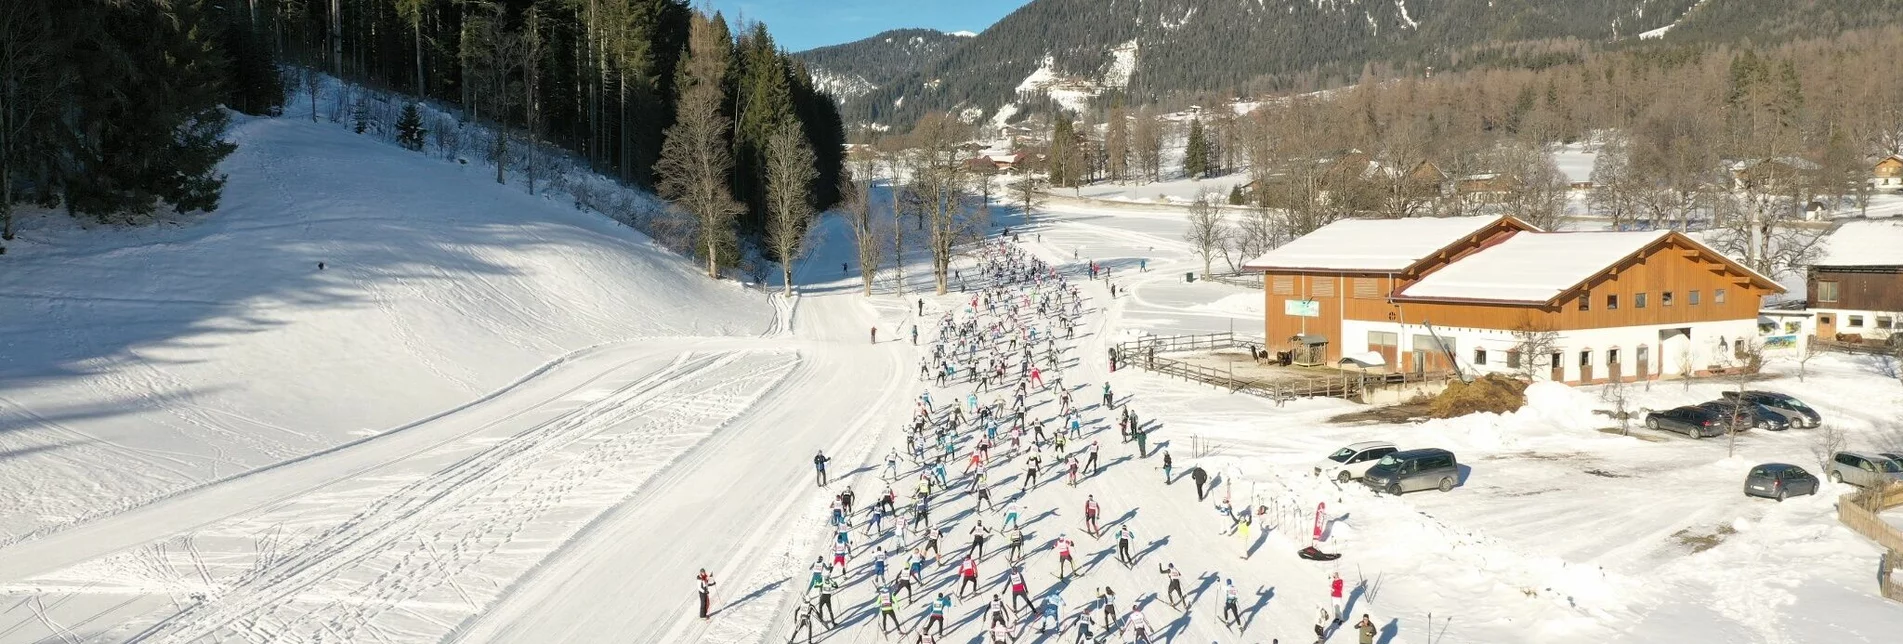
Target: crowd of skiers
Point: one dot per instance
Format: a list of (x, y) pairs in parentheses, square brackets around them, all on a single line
[(1005, 347)]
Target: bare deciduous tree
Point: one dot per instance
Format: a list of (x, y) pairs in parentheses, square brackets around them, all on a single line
[(695, 161), (1826, 441), (867, 235), (1206, 229), (790, 174), (1534, 344)]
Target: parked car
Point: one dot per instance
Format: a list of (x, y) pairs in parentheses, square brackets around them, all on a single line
[(1691, 420), (1800, 414), (1353, 461), (1894, 456), (1747, 416), (1864, 470), (1414, 470), (1779, 481)]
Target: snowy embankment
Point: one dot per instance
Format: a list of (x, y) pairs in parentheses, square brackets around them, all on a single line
[(346, 287)]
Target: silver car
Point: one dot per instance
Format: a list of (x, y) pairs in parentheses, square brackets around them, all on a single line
[(1864, 470)]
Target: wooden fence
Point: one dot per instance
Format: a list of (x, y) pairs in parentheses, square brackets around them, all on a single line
[(1148, 354), (1861, 512), (1245, 280), (1852, 347)]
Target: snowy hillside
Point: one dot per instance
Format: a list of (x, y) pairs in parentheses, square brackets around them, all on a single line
[(142, 362)]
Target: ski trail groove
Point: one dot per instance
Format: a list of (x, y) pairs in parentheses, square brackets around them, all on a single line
[(396, 517)]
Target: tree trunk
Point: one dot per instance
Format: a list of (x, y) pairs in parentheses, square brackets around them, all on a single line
[(337, 38), (786, 277), (422, 91)]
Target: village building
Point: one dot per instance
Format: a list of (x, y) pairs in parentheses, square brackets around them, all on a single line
[(1855, 290), (1475, 293), (1888, 171)]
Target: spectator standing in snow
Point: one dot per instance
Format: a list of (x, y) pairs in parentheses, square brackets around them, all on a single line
[(819, 464), (1334, 596), (1201, 478), (1366, 628), (706, 586)]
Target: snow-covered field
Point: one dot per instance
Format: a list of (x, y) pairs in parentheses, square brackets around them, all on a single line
[(491, 418)]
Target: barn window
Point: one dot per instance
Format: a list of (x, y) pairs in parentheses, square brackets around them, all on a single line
[(1322, 288), (1665, 298), (1585, 358), (1612, 302), (1692, 298), (1826, 291), (1856, 321), (1717, 296), (1282, 285), (1612, 356), (1480, 356), (1367, 288), (1513, 358), (1638, 300), (1885, 322), (1585, 301)]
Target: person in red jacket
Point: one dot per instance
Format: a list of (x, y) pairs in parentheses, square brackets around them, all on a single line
[(1334, 595), (968, 576)]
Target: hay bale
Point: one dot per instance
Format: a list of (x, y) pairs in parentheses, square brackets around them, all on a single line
[(1490, 393)]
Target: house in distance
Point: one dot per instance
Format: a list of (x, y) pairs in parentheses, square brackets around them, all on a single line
[(1856, 289), (1495, 294)]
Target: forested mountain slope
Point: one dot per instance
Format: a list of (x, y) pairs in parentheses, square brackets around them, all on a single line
[(1188, 47)]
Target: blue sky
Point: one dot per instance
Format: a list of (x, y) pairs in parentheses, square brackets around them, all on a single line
[(804, 24)]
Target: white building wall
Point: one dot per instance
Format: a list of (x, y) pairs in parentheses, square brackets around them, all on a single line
[(1703, 343), (1869, 328)]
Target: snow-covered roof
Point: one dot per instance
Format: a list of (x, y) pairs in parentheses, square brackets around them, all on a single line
[(1371, 245), (1531, 267), (1864, 243)]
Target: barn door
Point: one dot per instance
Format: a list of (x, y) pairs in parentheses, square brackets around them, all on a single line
[(1643, 356), (1827, 326)]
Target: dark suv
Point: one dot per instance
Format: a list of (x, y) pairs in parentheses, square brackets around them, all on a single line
[(1779, 481), (1744, 416), (1800, 414), (1693, 421)]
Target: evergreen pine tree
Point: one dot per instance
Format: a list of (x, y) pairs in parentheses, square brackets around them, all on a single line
[(1235, 195), (409, 128), (1063, 156), (360, 116), (1196, 154)]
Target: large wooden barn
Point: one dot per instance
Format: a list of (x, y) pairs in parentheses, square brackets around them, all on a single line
[(1424, 295)]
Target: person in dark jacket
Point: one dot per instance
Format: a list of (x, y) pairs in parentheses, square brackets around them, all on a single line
[(1201, 478)]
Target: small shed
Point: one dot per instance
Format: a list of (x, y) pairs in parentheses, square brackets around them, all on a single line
[(1308, 350)]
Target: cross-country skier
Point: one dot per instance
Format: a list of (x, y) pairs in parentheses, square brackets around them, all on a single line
[(1137, 624), (1124, 535), (1052, 614), (840, 552), (819, 463), (888, 611), (1071, 471), (1030, 472), (935, 613), (819, 573), (1230, 613), (1064, 545), (1091, 459), (802, 621), (1174, 594), (1020, 591), (1167, 463), (1109, 401), (1090, 515), (705, 584), (978, 535), (968, 576), (1016, 535), (823, 611), (995, 612), (879, 564), (1011, 511)]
